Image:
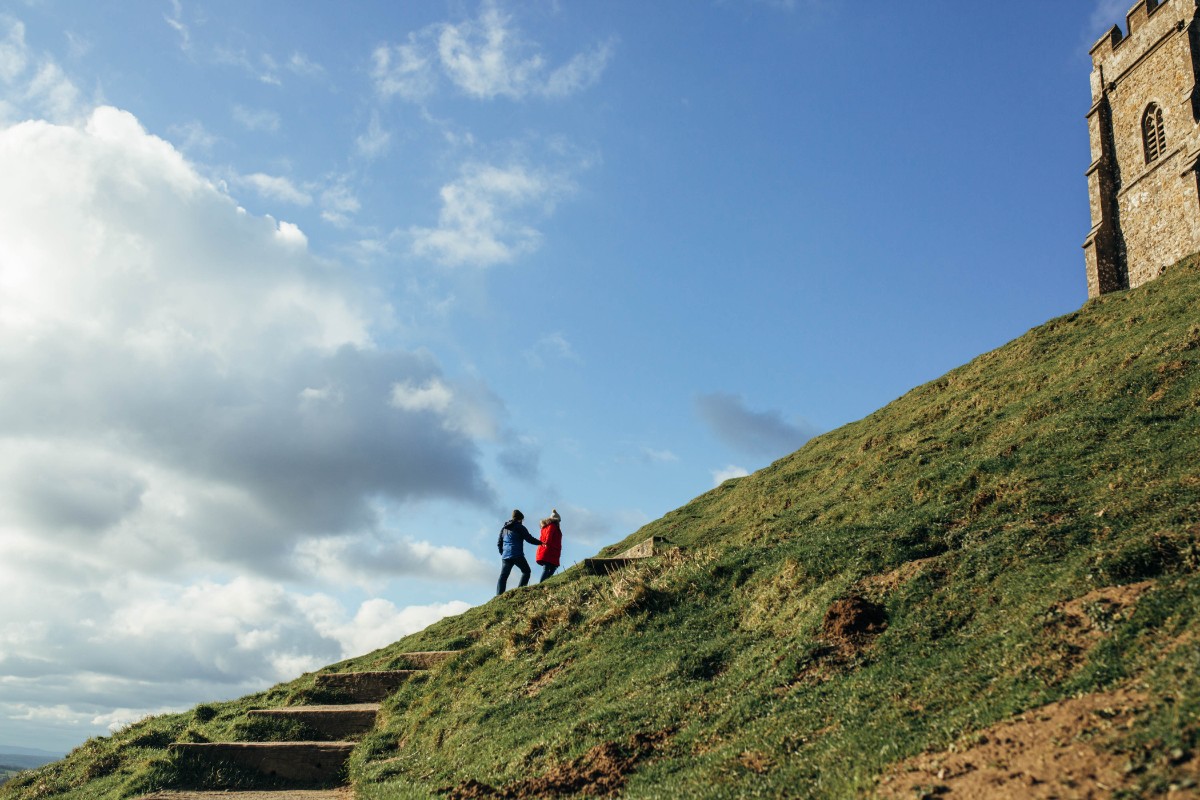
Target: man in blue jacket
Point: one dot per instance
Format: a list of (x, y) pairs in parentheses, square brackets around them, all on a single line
[(511, 544)]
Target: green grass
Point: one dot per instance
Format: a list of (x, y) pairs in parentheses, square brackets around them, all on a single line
[(1065, 461)]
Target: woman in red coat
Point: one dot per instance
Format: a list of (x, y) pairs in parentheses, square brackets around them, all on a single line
[(550, 549)]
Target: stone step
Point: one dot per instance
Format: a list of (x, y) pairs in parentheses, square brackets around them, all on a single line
[(305, 763), (602, 566), (336, 722), (365, 687), (345, 793)]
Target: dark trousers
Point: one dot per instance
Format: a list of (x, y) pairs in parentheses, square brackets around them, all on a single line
[(520, 563), (547, 571)]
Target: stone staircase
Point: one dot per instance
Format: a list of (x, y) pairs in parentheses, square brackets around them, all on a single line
[(602, 566), (314, 767)]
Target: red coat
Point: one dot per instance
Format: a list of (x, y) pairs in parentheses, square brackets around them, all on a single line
[(551, 547)]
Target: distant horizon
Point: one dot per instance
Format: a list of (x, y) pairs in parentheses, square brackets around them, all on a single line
[(10, 749)]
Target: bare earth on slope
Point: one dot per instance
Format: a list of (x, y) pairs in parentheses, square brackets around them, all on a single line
[(1051, 752)]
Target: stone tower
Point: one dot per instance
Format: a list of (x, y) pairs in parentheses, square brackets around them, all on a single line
[(1145, 136)]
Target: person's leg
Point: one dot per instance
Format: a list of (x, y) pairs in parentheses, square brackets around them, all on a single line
[(547, 571), (502, 584), (523, 565)]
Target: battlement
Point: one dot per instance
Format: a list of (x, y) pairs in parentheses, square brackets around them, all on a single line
[(1144, 128), (1137, 17)]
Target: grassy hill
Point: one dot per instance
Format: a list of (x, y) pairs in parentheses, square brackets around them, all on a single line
[(993, 581)]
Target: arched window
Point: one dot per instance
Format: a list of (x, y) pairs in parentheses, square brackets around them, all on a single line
[(1153, 137)]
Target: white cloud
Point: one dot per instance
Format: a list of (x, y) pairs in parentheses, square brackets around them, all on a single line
[(477, 223), (379, 622), (431, 396), (375, 141), (728, 473), (192, 395), (34, 85), (302, 65), (486, 57), (14, 54), (757, 433), (175, 21), (257, 119), (150, 328), (405, 70), (274, 187), (337, 203)]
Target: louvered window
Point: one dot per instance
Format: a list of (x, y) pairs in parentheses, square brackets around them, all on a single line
[(1153, 136)]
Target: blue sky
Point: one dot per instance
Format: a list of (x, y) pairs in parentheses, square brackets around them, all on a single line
[(296, 306)]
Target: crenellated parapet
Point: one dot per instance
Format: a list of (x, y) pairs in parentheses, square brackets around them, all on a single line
[(1144, 125), (1135, 22)]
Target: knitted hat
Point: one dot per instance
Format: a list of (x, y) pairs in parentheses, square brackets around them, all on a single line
[(554, 515), (517, 515)]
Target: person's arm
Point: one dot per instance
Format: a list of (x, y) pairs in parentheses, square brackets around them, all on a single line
[(529, 537)]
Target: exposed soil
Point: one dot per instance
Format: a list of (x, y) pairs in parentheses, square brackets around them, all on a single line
[(1057, 751), (1074, 627), (851, 618), (600, 772)]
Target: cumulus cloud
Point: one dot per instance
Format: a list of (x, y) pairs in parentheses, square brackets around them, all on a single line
[(486, 57), (754, 433), (196, 416), (478, 222), (228, 367)]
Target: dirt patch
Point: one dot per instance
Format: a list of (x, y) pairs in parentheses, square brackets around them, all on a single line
[(1097, 611), (1074, 627), (1057, 751), (850, 626), (851, 619), (599, 772)]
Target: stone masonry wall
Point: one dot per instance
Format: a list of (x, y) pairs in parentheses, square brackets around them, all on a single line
[(1150, 217)]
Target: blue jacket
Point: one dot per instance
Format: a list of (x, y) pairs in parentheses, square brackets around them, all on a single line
[(511, 542)]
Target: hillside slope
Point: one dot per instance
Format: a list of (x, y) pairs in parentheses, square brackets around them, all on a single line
[(879, 611)]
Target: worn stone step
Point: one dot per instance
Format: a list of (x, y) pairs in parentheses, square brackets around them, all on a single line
[(336, 722), (602, 566), (365, 687), (345, 793), (305, 763)]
